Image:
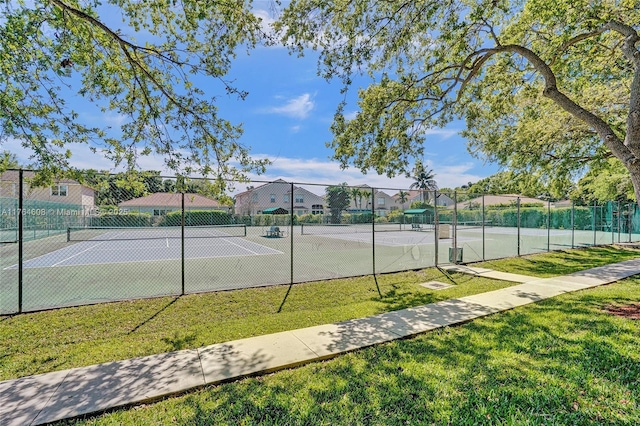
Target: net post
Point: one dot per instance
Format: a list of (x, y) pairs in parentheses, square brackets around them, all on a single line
[(68, 234), (20, 237)]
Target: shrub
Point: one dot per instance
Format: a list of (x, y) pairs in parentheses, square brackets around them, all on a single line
[(121, 220), (197, 217)]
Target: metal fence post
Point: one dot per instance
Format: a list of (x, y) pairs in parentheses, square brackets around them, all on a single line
[(373, 230), (619, 221), (630, 222), (548, 225), (518, 223), (484, 218), (595, 235), (613, 233), (573, 224), (20, 237), (182, 220), (435, 225), (291, 232), (455, 228)]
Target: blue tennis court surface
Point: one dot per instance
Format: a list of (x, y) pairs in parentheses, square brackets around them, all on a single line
[(126, 251)]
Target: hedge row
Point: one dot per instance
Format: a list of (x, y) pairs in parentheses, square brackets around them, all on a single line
[(121, 220), (530, 217), (197, 218)]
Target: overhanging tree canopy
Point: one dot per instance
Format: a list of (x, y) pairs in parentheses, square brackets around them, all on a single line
[(141, 69), (543, 84)]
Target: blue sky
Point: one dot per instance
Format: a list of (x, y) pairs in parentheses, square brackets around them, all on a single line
[(286, 118)]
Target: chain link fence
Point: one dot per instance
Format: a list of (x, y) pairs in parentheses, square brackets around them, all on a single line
[(100, 240)]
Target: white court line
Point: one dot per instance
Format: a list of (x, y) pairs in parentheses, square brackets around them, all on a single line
[(162, 260), (80, 252), (243, 248), (231, 242), (85, 250), (15, 266)]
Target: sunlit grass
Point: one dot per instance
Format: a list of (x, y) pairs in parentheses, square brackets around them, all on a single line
[(72, 337), (561, 361), (562, 262)]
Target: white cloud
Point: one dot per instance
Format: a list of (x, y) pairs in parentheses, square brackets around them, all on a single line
[(114, 120), (266, 21), (350, 115), (302, 171), (443, 133), (298, 107)]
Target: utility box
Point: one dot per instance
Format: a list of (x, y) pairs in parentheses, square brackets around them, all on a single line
[(444, 231), (455, 254)]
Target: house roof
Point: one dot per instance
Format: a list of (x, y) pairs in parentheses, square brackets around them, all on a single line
[(248, 191), (167, 199), (411, 194)]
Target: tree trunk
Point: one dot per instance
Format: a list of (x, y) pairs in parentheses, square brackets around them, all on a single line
[(634, 172)]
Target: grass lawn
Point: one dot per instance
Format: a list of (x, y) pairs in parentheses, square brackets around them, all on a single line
[(46, 341), (561, 361), (561, 262)]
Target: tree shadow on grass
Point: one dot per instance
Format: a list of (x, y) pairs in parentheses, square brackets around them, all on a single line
[(552, 362), (179, 342), (152, 317)]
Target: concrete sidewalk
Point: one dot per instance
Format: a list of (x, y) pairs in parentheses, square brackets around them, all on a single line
[(65, 394)]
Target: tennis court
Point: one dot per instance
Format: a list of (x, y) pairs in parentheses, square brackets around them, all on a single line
[(387, 234), (102, 245), (92, 265)]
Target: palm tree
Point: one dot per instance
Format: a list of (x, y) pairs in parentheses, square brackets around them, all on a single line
[(403, 197), (355, 194), (365, 195), (424, 180)]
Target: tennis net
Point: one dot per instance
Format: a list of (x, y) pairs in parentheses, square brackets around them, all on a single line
[(470, 224), (105, 233), (330, 228)]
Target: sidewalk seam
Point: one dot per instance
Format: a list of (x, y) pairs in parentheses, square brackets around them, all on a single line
[(46, 404), (204, 378)]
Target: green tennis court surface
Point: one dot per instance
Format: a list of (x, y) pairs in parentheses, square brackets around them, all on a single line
[(59, 271)]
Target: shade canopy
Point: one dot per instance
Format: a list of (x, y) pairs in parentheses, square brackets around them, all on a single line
[(416, 211), (275, 210)]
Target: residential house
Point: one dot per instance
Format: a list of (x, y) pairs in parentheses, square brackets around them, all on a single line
[(63, 193), (413, 195), (63, 204), (277, 195), (383, 202)]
